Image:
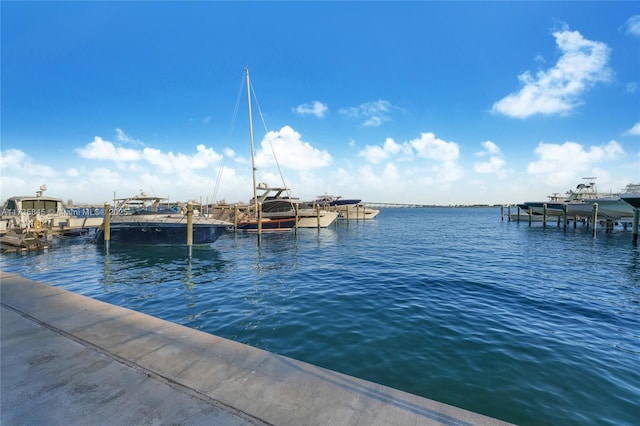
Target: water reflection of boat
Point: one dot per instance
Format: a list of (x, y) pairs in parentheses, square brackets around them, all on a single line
[(142, 220)]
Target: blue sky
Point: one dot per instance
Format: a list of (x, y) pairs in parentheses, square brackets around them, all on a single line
[(406, 102)]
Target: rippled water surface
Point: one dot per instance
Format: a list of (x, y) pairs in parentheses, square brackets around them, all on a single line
[(527, 324)]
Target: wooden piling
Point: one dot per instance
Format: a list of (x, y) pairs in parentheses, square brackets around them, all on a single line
[(595, 218), (189, 228), (544, 215), (107, 226), (564, 215), (634, 225)]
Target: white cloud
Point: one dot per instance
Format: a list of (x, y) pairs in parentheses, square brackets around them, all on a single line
[(376, 154), (495, 164), (290, 151), (562, 164), (315, 108), (100, 149), (373, 114), (632, 26), (489, 148), (557, 90), (16, 162), (121, 136), (635, 130), (432, 148)]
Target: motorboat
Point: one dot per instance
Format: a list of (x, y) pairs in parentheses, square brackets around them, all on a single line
[(358, 212), (41, 214), (275, 209), (574, 202), (331, 202), (145, 220), (276, 203), (631, 195), (347, 208)]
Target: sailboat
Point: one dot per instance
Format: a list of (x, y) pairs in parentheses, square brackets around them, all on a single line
[(255, 222)]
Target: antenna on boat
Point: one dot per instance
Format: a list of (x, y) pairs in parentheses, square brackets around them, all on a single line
[(42, 189)]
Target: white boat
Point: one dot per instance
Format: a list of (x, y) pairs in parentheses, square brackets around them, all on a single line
[(631, 195), (359, 212), (331, 202), (576, 202), (347, 208), (143, 220), (41, 214), (277, 204), (278, 212)]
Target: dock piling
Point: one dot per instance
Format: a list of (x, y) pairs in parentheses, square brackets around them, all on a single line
[(189, 228), (107, 226), (595, 218), (634, 229)]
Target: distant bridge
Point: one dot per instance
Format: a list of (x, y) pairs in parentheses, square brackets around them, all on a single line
[(372, 204), (405, 205)]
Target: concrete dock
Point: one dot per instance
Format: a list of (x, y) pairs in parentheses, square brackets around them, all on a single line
[(67, 359)]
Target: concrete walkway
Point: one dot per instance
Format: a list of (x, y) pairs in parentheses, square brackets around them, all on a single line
[(71, 360)]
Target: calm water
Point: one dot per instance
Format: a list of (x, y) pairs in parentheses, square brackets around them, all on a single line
[(525, 324)]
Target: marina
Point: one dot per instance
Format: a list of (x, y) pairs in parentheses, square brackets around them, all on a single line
[(524, 324)]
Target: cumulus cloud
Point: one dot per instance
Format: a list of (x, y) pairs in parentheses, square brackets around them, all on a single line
[(495, 164), (632, 26), (287, 147), (100, 149), (373, 114), (18, 163), (376, 154), (432, 148), (635, 130), (558, 90), (426, 146), (163, 162), (315, 108), (562, 164)]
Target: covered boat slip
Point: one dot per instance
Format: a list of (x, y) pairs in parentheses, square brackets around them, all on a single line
[(69, 359)]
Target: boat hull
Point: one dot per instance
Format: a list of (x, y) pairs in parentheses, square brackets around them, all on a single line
[(268, 225), (140, 233), (314, 220), (633, 199), (359, 214)]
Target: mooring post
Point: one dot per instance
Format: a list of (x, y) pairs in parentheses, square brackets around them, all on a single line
[(295, 208), (189, 228), (544, 215), (530, 215), (595, 218), (634, 228), (317, 215), (564, 215), (107, 226), (236, 212)]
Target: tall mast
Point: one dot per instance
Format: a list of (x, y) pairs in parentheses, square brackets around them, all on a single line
[(253, 165)]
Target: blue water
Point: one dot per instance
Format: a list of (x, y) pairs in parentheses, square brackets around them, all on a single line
[(527, 324)]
